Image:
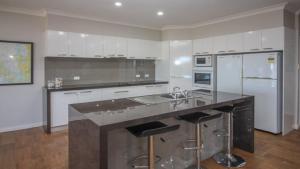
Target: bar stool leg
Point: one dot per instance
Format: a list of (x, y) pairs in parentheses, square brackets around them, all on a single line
[(229, 159), (151, 161), (198, 145)]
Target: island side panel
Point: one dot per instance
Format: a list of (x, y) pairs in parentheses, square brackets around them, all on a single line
[(84, 145), (243, 127)]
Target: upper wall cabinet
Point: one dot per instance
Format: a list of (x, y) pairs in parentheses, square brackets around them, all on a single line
[(94, 46), (77, 44), (252, 41), (234, 43), (144, 49), (115, 47), (272, 39), (57, 43), (220, 44), (152, 49), (135, 49), (202, 46)]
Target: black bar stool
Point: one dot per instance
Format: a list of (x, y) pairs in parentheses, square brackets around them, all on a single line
[(228, 159), (198, 118), (149, 130)]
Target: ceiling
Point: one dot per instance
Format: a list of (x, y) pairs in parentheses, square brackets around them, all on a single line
[(143, 12)]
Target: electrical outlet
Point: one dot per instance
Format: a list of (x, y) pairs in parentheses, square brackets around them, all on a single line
[(76, 77), (146, 75), (137, 76)]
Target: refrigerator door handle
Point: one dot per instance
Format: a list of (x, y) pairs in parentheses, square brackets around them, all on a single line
[(264, 78)]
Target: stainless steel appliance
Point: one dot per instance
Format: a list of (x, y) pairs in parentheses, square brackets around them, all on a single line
[(203, 61), (203, 78)]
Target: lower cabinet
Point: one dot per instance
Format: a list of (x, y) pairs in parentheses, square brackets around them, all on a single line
[(61, 100)]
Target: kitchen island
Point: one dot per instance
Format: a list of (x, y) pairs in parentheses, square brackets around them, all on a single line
[(98, 138)]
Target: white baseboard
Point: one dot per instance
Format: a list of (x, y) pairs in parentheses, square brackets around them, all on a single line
[(21, 127)]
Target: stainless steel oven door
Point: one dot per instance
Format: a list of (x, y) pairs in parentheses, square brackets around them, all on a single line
[(203, 79)]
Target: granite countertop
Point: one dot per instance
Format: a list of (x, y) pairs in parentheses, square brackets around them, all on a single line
[(122, 112), (104, 85)]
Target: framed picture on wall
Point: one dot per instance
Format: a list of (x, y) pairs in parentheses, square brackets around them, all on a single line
[(16, 63)]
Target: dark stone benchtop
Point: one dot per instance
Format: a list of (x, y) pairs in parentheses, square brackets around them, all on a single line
[(104, 85), (125, 112)]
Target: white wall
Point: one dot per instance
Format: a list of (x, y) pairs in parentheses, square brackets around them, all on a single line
[(21, 106)]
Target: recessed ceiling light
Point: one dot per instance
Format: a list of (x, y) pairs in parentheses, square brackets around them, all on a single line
[(160, 13), (118, 4)]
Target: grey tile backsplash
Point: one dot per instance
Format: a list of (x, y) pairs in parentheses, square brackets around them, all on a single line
[(96, 70)]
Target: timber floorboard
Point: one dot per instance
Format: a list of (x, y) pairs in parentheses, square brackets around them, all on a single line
[(33, 149)]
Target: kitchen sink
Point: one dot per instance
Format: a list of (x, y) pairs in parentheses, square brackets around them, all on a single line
[(170, 96)]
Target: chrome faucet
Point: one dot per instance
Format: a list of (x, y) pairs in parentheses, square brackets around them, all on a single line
[(178, 92)]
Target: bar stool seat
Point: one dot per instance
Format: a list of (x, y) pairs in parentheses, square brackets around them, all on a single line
[(152, 128), (228, 159), (198, 118), (149, 130)]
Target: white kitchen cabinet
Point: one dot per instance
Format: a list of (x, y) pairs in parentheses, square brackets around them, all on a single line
[(57, 43), (220, 44), (181, 64), (59, 107), (76, 44), (94, 46), (116, 93), (61, 100), (234, 43), (121, 47), (135, 49), (152, 49), (272, 39), (203, 46), (89, 95), (155, 89), (252, 41), (115, 47)]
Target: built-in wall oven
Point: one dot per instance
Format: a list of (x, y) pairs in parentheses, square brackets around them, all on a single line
[(203, 78), (203, 61)]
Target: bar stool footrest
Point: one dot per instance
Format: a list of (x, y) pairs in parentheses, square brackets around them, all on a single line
[(228, 160), (140, 158)]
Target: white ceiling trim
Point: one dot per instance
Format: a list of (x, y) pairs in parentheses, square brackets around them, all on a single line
[(44, 13), (277, 7), (41, 12), (60, 13)]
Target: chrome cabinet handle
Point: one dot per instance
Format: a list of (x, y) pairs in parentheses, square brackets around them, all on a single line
[(124, 91), (254, 49), (62, 54), (221, 51), (86, 92), (68, 93), (149, 86), (120, 55), (73, 55), (267, 48), (231, 51)]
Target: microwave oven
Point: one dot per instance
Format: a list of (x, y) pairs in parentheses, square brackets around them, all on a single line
[(203, 61)]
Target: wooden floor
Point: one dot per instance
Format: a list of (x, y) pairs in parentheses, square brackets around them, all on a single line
[(32, 149)]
